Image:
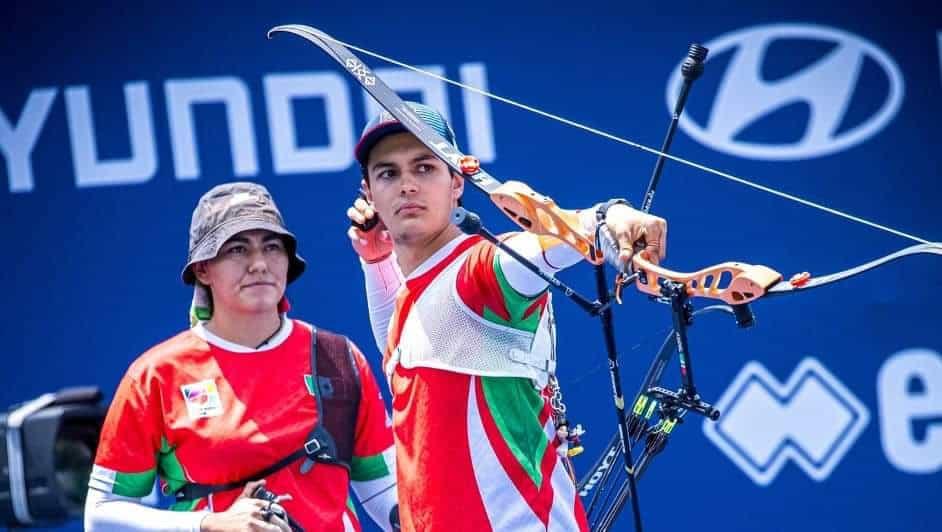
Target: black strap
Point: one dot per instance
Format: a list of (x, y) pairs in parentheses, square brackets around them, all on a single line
[(319, 447), (602, 211), (195, 491)]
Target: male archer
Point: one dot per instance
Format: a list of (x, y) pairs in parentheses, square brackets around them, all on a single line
[(467, 339)]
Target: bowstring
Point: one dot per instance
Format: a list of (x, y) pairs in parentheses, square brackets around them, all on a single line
[(621, 493), (621, 140)]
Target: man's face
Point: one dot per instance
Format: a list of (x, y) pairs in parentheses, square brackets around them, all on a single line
[(412, 190), (249, 274)]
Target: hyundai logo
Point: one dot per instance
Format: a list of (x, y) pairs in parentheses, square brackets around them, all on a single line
[(827, 86)]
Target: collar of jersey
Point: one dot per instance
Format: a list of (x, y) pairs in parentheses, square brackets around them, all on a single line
[(437, 257), (287, 325)]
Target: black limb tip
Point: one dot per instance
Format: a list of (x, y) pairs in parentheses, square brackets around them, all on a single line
[(692, 66), (744, 316), (466, 220)]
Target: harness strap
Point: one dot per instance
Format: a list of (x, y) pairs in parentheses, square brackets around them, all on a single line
[(318, 447)]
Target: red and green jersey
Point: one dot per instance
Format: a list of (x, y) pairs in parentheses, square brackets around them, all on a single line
[(474, 450), (189, 410)]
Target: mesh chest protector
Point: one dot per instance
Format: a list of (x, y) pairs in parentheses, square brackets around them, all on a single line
[(443, 332)]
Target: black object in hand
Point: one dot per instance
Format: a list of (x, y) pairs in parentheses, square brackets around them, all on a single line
[(264, 494), (368, 224)]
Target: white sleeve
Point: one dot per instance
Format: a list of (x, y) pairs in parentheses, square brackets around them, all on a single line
[(550, 261), (378, 496), (383, 280), (107, 512)]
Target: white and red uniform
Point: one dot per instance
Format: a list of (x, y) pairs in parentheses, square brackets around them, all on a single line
[(467, 357)]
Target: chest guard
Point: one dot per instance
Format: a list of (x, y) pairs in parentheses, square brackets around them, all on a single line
[(442, 332)]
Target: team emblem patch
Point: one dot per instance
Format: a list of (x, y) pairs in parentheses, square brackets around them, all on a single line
[(202, 399), (324, 385)]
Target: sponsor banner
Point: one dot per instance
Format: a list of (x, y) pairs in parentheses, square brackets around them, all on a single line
[(114, 122)]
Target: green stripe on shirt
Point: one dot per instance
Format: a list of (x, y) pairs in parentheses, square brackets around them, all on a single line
[(134, 484), (365, 468), (515, 406), (516, 303)]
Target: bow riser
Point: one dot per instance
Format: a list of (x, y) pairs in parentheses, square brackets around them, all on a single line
[(540, 215), (734, 283)]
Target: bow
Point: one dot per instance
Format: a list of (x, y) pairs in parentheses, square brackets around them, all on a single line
[(532, 211), (656, 410), (739, 283)]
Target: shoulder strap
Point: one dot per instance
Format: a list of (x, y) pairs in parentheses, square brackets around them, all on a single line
[(338, 383), (320, 445)]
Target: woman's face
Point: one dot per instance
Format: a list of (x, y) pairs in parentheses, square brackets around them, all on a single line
[(249, 274)]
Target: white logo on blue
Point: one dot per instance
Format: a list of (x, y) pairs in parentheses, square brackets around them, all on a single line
[(827, 86), (812, 420)]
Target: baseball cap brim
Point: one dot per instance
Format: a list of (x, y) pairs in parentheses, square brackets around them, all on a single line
[(209, 246)]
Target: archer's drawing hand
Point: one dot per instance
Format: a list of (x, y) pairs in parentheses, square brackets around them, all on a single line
[(373, 245)]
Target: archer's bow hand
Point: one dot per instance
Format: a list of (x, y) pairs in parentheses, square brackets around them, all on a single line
[(624, 227), (630, 231)]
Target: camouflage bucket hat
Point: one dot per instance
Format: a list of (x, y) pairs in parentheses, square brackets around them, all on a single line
[(229, 209)]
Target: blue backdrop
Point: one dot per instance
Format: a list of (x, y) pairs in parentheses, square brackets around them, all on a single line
[(114, 119)]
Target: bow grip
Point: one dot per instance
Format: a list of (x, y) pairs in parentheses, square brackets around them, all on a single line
[(539, 214)]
